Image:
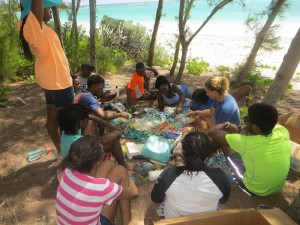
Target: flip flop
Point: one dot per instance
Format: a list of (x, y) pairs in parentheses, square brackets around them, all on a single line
[(144, 168)]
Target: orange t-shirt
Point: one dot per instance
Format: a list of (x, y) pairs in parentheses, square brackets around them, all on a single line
[(51, 65), (136, 86)]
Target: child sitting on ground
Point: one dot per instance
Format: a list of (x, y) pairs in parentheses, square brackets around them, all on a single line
[(139, 85), (90, 189), (172, 95), (75, 122), (201, 188)]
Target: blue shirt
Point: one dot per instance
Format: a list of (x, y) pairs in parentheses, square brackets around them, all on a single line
[(227, 110), (209, 104), (66, 142), (88, 100)]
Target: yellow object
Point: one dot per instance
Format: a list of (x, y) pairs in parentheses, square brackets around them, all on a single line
[(124, 149), (132, 125)]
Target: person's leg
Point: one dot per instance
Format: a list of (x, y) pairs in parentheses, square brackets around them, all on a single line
[(147, 80), (241, 92), (118, 175), (56, 99), (128, 95), (53, 128)]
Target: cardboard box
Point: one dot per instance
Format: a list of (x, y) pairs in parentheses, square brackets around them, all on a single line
[(234, 217), (291, 121)]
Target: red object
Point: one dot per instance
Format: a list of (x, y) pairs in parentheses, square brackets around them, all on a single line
[(107, 155)]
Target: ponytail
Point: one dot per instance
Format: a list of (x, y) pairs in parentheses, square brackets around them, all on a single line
[(26, 50)]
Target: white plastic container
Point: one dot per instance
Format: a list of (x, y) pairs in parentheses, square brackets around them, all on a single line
[(153, 175)]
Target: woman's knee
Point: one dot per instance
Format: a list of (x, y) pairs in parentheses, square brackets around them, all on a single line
[(118, 174)]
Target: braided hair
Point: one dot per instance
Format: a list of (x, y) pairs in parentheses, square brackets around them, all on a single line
[(69, 118), (197, 148), (25, 46), (84, 153)]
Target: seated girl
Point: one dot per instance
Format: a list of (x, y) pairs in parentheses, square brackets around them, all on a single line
[(171, 94), (191, 187), (75, 122), (90, 189)]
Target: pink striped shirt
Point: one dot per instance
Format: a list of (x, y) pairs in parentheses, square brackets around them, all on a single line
[(80, 198)]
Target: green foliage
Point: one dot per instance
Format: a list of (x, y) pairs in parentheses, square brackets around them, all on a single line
[(4, 93), (125, 36), (268, 67), (298, 74), (161, 57), (243, 113), (289, 86), (224, 70), (197, 66), (268, 81), (110, 60), (30, 79)]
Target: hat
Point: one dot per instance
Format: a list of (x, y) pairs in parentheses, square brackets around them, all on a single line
[(87, 66), (26, 4), (140, 67)]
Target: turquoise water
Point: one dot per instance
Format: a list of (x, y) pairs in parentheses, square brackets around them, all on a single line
[(145, 12)]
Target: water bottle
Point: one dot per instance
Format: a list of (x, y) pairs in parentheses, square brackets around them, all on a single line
[(38, 153)]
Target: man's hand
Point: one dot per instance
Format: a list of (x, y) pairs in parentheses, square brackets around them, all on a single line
[(124, 115), (147, 94), (178, 110)]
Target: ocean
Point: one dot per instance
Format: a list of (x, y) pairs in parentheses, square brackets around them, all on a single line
[(225, 40)]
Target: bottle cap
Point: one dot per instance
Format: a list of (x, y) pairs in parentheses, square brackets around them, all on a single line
[(48, 149)]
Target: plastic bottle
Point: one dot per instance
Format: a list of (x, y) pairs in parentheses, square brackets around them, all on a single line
[(38, 153), (118, 91)]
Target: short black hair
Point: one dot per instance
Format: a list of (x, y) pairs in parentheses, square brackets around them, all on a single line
[(87, 66), (70, 116), (84, 153), (199, 95), (197, 148), (161, 80), (263, 115), (95, 79)]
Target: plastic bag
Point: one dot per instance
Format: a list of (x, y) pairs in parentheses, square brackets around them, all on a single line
[(157, 149)]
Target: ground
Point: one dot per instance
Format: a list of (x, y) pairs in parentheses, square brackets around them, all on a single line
[(28, 190)]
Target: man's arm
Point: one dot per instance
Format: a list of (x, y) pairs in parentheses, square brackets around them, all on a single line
[(109, 115), (219, 135), (153, 70), (37, 8)]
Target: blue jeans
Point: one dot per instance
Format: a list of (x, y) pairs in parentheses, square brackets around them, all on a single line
[(104, 220)]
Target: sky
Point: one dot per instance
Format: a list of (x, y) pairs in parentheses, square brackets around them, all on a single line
[(86, 2)]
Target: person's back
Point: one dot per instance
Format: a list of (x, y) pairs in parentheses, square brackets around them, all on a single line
[(266, 159), (227, 110), (191, 188)]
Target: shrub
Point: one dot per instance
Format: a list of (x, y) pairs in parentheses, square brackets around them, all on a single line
[(196, 66)]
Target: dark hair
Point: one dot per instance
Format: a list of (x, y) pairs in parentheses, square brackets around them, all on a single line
[(95, 79), (26, 49), (87, 66), (74, 77), (199, 95), (83, 155), (197, 148), (69, 118), (264, 116), (162, 80)]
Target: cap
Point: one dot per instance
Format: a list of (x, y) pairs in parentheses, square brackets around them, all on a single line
[(87, 65), (26, 4), (140, 67)]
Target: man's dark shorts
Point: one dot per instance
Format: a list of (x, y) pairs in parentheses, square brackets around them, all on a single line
[(59, 98), (236, 164)]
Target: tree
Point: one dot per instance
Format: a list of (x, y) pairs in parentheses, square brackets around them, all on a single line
[(93, 33), (74, 31), (275, 8), (285, 71), (57, 24), (177, 46), (154, 33), (186, 41)]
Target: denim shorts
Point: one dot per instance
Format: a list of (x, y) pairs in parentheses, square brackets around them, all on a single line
[(104, 220), (59, 98)]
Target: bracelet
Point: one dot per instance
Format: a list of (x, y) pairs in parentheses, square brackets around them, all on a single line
[(227, 126)]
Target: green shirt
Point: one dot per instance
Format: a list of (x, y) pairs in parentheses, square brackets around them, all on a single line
[(266, 159)]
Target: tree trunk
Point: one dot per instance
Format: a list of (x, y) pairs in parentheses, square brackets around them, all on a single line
[(74, 30), (57, 24), (258, 42), (182, 35), (285, 71), (184, 52), (154, 33), (176, 57), (93, 33)]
